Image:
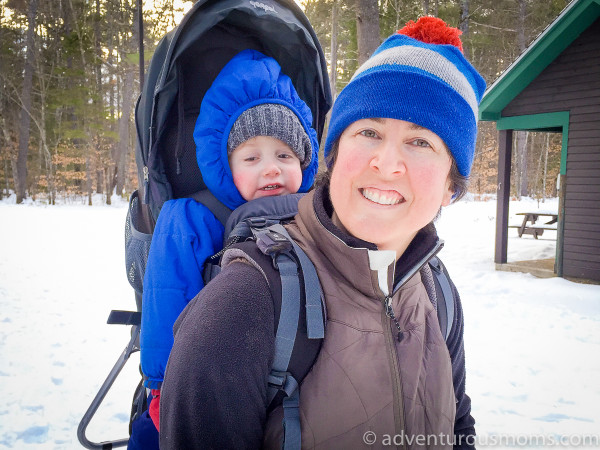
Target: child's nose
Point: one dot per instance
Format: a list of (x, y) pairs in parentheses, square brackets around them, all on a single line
[(272, 169)]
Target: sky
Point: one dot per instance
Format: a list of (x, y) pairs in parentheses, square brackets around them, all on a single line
[(532, 345)]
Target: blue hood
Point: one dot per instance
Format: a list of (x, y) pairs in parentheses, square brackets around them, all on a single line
[(249, 79)]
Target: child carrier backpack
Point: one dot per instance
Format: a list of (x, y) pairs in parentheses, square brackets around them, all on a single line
[(183, 67), (255, 232)]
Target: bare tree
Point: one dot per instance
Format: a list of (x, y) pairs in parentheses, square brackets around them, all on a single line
[(122, 155), (522, 136), (463, 24), (334, 48), (367, 28), (25, 119)]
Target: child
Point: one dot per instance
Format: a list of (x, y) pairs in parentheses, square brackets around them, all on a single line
[(253, 139)]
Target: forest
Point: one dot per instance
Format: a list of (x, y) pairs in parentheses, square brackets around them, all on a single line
[(71, 72)]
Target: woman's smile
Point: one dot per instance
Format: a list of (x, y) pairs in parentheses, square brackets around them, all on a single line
[(382, 197)]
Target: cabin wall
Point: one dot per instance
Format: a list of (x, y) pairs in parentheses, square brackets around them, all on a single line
[(572, 83)]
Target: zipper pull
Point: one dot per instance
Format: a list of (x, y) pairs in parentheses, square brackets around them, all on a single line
[(387, 304), (146, 185)]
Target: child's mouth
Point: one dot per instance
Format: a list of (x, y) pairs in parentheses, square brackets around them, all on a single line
[(270, 187)]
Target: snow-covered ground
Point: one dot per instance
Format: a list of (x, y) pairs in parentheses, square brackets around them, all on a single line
[(533, 345)]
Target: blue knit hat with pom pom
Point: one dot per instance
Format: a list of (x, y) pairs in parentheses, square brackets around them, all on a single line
[(421, 76)]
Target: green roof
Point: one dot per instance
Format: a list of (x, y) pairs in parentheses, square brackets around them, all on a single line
[(571, 22)]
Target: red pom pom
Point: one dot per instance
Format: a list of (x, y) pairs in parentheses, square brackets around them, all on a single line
[(432, 30)]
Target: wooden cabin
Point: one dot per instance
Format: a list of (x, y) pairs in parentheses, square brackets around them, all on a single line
[(555, 86)]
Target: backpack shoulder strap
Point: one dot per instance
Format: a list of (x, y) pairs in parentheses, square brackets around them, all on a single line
[(220, 211), (313, 296), (444, 295), (299, 333)]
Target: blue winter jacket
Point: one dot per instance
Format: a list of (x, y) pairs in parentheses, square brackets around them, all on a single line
[(186, 232)]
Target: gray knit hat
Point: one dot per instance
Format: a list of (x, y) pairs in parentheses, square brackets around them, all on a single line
[(275, 120)]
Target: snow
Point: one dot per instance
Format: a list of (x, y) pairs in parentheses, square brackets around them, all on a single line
[(532, 344)]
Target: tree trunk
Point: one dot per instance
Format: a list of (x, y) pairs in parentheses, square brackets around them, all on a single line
[(464, 24), (522, 138), (545, 174), (109, 184), (25, 118), (99, 182), (521, 26), (140, 38), (97, 49), (425, 7), (123, 146), (464, 17), (13, 166), (99, 101), (367, 28), (8, 142), (46, 154), (6, 170), (334, 48), (88, 173)]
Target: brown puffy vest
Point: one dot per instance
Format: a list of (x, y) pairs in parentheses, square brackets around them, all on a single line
[(365, 385)]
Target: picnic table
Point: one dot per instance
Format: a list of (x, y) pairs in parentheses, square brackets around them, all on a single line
[(530, 225)]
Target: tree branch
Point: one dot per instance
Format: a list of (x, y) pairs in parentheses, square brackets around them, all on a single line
[(493, 27)]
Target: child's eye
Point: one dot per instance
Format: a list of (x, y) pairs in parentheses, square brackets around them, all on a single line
[(369, 133), (288, 155), (250, 158)]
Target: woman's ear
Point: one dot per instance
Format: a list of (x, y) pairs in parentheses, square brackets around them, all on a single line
[(448, 193)]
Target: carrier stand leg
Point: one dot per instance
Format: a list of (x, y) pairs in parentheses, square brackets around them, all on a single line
[(112, 376)]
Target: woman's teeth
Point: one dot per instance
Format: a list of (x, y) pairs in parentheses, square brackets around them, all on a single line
[(382, 198)]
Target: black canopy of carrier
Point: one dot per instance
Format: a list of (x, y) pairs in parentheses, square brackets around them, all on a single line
[(186, 62)]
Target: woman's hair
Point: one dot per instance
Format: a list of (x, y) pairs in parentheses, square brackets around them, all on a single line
[(458, 183)]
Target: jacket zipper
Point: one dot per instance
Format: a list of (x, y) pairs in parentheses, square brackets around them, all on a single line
[(388, 316), (395, 370)]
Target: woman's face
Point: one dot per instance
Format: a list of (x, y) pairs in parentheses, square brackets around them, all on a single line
[(389, 180)]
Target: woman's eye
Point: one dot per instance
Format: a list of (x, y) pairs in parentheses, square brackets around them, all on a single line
[(421, 143), (369, 133)]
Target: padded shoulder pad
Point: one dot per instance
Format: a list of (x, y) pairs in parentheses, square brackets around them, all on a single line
[(279, 208), (305, 350)]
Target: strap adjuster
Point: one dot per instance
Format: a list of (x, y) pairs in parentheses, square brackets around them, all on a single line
[(274, 244), (277, 379), (283, 381), (256, 222)]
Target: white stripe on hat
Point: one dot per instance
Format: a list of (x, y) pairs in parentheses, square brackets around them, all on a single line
[(429, 61)]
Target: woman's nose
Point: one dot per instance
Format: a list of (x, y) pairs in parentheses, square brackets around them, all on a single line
[(388, 160)]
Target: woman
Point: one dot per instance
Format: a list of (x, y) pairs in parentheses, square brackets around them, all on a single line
[(400, 146)]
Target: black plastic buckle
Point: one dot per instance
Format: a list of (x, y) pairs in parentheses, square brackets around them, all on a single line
[(256, 222), (274, 244)]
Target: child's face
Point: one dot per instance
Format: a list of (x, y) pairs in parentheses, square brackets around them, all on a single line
[(264, 166)]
